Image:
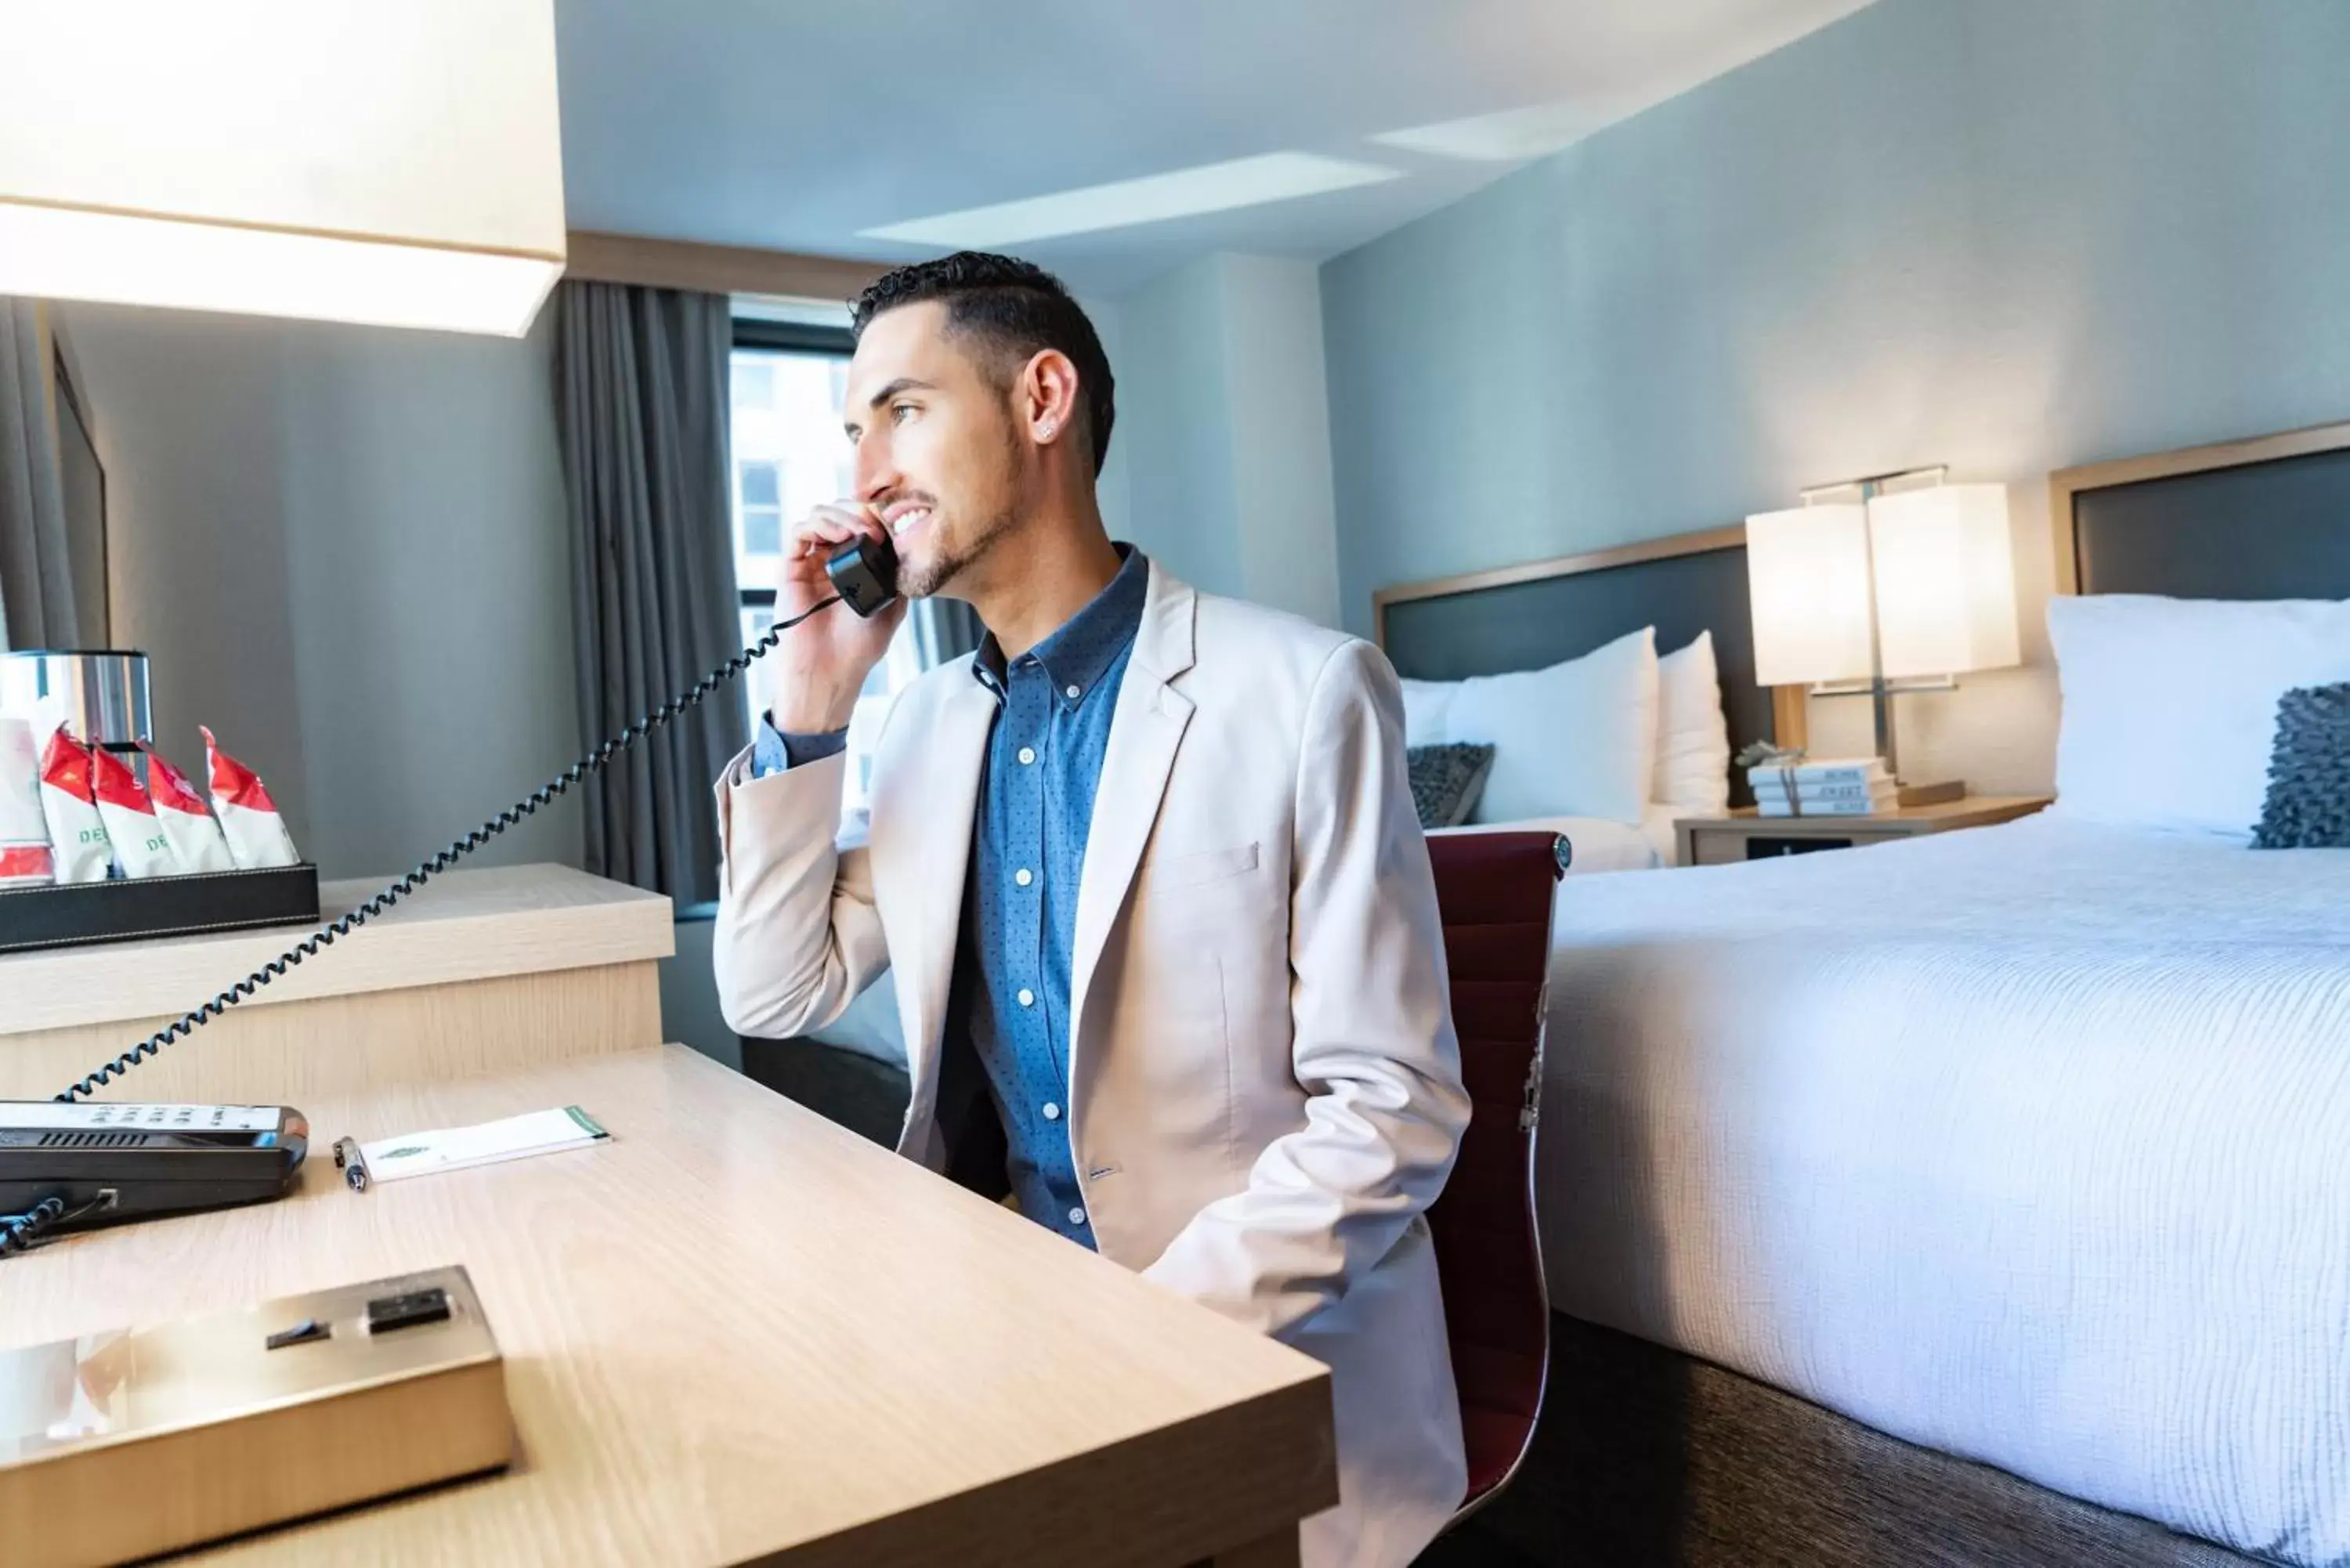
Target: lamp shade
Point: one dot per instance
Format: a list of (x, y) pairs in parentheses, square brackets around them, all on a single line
[(1945, 580), (398, 164), (1807, 576)]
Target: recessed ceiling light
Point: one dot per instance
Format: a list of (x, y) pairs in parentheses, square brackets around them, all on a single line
[(1154, 198), (1512, 136)]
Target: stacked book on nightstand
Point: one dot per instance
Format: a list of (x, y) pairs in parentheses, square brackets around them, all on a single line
[(1824, 786)]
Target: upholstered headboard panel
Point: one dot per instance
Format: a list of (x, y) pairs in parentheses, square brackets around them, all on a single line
[(2262, 519), (1522, 617)]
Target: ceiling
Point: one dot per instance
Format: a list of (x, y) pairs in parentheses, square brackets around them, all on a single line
[(803, 127)]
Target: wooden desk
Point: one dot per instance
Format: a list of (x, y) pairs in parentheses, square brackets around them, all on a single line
[(738, 1332), (483, 970)]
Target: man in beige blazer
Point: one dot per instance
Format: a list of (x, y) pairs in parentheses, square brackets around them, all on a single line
[(1145, 872)]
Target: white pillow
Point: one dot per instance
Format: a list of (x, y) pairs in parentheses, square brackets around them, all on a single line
[(1426, 704), (1692, 737), (2171, 705), (1578, 739)]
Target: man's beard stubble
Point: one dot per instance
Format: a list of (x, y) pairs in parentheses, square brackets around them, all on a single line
[(939, 572), (927, 581)]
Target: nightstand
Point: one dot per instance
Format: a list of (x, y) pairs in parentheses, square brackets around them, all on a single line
[(1743, 836)]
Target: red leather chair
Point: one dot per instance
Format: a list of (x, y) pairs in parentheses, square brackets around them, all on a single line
[(1494, 892)]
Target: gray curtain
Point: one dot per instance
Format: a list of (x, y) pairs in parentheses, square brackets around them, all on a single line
[(643, 397), (36, 591), (943, 629)]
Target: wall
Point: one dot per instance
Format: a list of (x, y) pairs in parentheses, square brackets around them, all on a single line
[(343, 549), (1172, 419), (2005, 235), (1285, 521), (689, 991), (1111, 490), (1223, 412)]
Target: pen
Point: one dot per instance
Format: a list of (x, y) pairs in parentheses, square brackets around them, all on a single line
[(352, 1164)]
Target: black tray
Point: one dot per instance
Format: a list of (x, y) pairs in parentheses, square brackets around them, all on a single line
[(128, 908)]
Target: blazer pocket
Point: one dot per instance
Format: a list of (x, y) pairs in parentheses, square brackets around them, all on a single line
[(1167, 872)]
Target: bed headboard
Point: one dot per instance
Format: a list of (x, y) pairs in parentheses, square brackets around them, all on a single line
[(1522, 617), (2262, 519)]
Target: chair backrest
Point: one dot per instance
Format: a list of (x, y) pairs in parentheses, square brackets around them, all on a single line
[(1494, 892)]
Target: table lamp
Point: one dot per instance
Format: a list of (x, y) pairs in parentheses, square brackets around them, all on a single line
[(1898, 589)]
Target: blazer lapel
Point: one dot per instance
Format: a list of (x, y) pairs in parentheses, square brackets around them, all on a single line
[(926, 874), (1143, 737)]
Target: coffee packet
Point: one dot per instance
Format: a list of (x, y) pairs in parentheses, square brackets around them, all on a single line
[(187, 821), (248, 818), (78, 847), (141, 847)]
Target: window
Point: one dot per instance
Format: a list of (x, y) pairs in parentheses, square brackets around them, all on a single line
[(754, 382), (791, 456), (758, 503)]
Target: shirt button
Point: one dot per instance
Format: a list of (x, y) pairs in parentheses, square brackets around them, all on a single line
[(1023, 875), (1052, 1112), (1027, 997), (1076, 1216), (1027, 755), (1072, 693)]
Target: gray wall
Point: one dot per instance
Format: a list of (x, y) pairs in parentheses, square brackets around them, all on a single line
[(1223, 414), (1171, 417), (1286, 521), (2004, 234), (688, 994), (343, 549), (1110, 489)]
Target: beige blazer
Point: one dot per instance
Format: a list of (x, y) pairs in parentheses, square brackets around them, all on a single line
[(1265, 1086)]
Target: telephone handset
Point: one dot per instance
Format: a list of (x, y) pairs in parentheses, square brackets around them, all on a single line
[(90, 1165), (864, 574)]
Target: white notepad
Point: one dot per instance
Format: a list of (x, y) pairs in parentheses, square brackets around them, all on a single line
[(455, 1148)]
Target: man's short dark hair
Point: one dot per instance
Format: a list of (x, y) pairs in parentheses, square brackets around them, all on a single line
[(1013, 308)]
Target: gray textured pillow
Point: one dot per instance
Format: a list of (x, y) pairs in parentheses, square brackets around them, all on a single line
[(2308, 805), (1446, 782)]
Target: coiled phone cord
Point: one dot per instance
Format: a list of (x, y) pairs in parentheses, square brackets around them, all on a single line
[(543, 795), (20, 1232)]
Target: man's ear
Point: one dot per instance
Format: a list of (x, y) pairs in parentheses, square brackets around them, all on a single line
[(1048, 397)]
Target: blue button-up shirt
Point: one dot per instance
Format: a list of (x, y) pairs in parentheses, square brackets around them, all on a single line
[(1018, 933)]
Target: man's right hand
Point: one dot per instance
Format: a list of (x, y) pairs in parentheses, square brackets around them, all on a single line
[(819, 668)]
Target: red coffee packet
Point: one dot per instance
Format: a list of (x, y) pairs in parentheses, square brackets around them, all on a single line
[(112, 784), (256, 832), (187, 821), (69, 801), (140, 842), (65, 765), (233, 782), (171, 789)]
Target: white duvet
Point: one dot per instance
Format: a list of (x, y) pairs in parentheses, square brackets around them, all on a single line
[(2030, 1144)]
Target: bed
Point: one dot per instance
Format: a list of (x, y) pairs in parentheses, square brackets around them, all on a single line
[(1980, 1197), (1992, 1140)]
